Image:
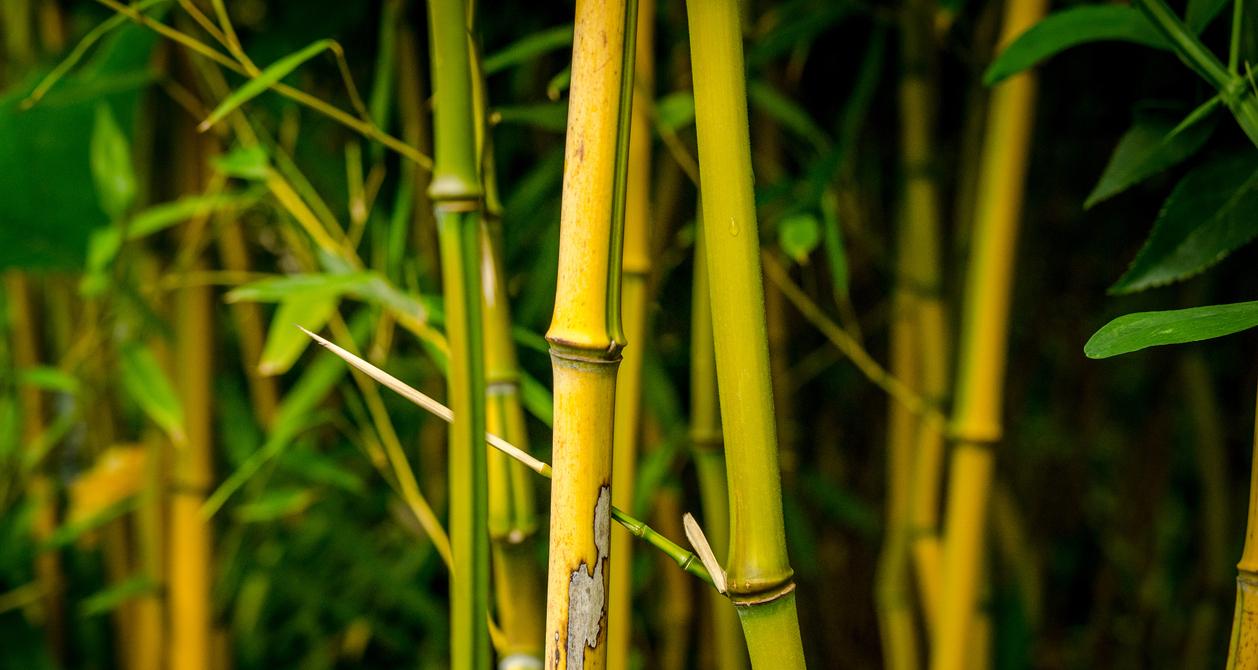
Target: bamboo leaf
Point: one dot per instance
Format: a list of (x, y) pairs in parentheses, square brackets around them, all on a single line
[(1150, 146), (70, 531), (103, 602), (529, 48), (551, 116), (284, 343), (836, 251), (144, 381), (50, 379), (278, 289), (675, 110), (245, 163), (799, 235), (112, 172), (265, 80), (1208, 215), (1202, 12), (786, 112), (273, 505), (1141, 330), (1069, 28)]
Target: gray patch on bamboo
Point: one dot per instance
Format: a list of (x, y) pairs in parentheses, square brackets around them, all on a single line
[(587, 597)]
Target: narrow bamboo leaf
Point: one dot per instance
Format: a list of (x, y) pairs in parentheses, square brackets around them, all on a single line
[(786, 112), (277, 289), (103, 602), (273, 505), (799, 235), (551, 116), (1071, 27), (284, 343), (144, 381), (559, 83), (1141, 330), (71, 531), (1202, 12), (112, 172), (836, 250), (245, 163), (676, 110), (160, 217), (537, 399), (1208, 215), (50, 379), (268, 78), (529, 48), (1150, 146)]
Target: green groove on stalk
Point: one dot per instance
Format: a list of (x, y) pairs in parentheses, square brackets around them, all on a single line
[(456, 194), (615, 324)]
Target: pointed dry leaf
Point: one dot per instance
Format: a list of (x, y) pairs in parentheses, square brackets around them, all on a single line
[(700, 543)]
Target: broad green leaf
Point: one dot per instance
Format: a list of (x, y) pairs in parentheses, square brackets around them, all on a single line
[(1147, 148), (552, 116), (529, 48), (786, 112), (675, 110), (277, 289), (799, 235), (112, 171), (284, 342), (1071, 27), (1141, 330), (103, 602), (268, 78), (1209, 214), (245, 163), (144, 381), (50, 379)]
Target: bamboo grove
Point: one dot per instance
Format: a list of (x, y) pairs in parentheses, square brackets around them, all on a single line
[(628, 334)]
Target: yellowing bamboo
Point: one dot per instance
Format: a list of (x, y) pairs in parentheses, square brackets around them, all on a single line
[(586, 338), (984, 333), (1243, 651), (636, 268)]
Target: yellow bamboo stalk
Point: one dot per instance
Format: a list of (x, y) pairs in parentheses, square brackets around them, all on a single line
[(636, 268), (980, 376), (586, 338), (1243, 652)]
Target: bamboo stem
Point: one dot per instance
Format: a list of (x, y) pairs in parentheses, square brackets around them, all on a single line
[(585, 334), (456, 195), (1243, 652), (636, 269), (759, 574), (980, 376)]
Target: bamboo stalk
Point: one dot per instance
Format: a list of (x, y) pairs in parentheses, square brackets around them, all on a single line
[(636, 269), (760, 578), (984, 334), (1243, 651), (456, 194), (585, 334), (707, 446)]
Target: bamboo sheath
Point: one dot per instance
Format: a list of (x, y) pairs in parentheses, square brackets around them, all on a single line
[(456, 194), (586, 338), (636, 269), (759, 575), (980, 376)]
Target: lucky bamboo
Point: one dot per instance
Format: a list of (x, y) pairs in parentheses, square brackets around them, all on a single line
[(761, 581), (456, 194), (707, 450), (977, 414), (636, 269), (585, 334)]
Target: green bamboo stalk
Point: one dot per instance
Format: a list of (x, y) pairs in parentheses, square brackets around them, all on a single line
[(456, 195), (761, 581), (707, 448)]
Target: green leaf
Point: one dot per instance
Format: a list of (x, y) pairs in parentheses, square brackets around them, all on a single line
[(798, 235), (112, 171), (1209, 214), (786, 112), (528, 48), (1147, 148), (1202, 12), (265, 80), (50, 379), (144, 381), (67, 533), (836, 251), (273, 505), (1141, 330), (552, 116), (106, 601), (284, 341), (277, 289), (1071, 27), (245, 163), (676, 110)]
